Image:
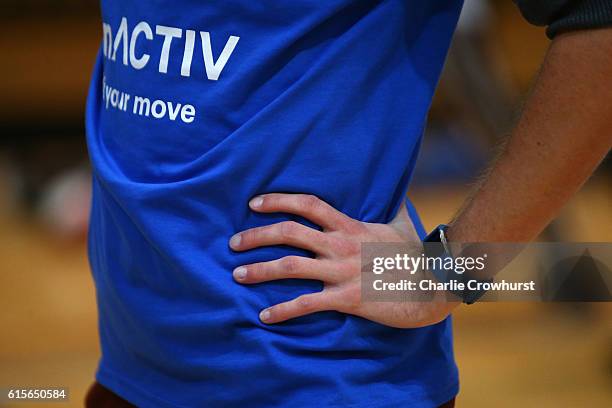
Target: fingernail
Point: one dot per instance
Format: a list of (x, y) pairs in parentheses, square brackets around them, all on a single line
[(240, 273), (235, 241), (256, 202), (264, 315)]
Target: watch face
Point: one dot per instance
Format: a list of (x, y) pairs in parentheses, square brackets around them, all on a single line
[(436, 234)]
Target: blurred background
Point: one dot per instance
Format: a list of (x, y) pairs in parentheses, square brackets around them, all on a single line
[(532, 355)]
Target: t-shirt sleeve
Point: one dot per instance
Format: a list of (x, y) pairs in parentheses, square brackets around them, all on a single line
[(567, 15)]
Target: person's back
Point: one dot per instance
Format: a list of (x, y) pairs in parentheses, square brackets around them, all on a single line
[(196, 107)]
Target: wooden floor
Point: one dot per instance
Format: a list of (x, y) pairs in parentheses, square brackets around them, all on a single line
[(510, 355)]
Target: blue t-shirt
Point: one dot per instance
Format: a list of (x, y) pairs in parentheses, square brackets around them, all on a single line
[(194, 108)]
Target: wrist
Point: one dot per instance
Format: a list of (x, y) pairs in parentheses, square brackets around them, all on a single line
[(437, 245)]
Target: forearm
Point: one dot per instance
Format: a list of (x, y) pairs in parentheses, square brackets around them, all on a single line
[(563, 134)]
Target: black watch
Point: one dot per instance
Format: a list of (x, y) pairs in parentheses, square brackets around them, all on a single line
[(437, 246)]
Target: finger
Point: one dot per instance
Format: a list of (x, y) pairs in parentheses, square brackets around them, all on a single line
[(284, 233), (289, 267), (308, 206), (300, 306)]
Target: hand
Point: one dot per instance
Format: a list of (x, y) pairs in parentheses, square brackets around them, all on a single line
[(337, 262)]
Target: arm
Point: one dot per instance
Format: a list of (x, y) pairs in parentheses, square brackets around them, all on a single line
[(564, 132)]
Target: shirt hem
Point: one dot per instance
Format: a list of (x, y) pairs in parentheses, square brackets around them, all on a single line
[(138, 396)]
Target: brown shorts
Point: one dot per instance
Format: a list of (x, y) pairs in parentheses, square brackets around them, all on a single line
[(99, 396)]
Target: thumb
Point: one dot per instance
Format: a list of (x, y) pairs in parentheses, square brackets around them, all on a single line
[(403, 224)]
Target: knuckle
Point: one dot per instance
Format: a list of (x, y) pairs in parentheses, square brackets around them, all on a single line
[(288, 229), (290, 265), (255, 272), (347, 247), (248, 236), (269, 201), (309, 202), (355, 228), (305, 303), (258, 235), (347, 270)]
